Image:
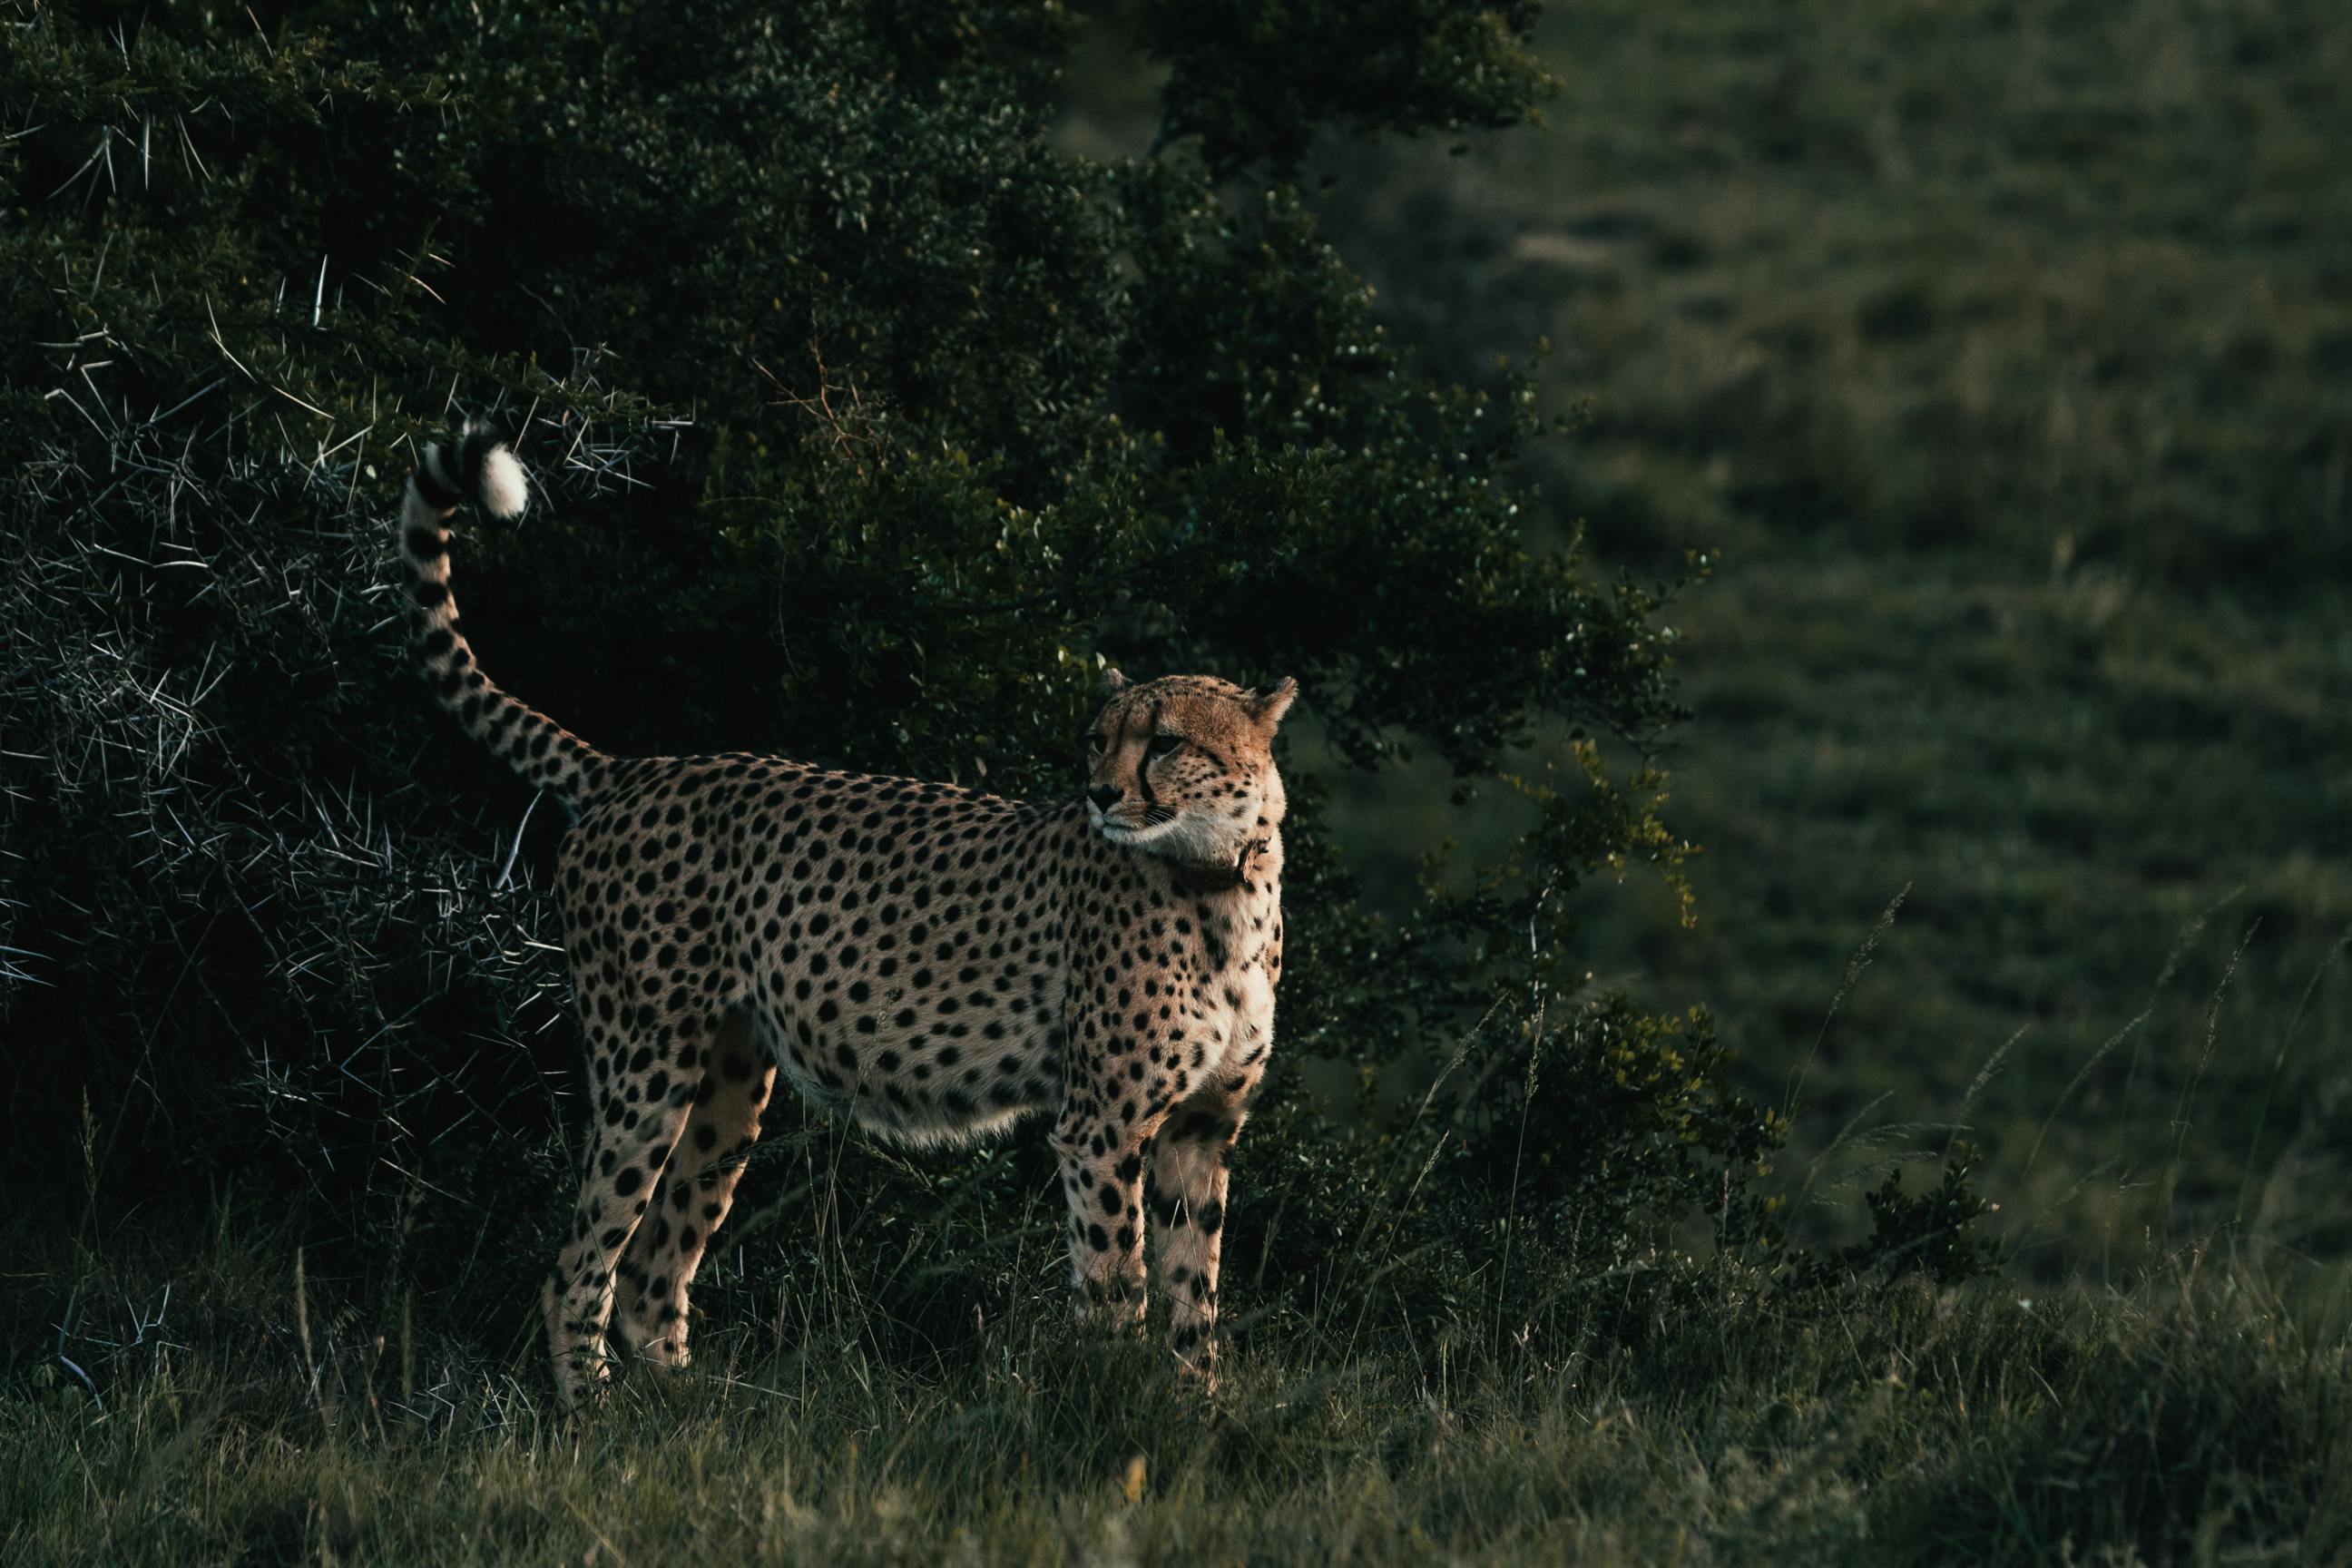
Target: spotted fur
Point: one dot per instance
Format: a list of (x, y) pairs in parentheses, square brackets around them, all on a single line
[(936, 963)]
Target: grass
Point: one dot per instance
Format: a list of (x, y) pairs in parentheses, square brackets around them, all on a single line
[(2196, 1417), (2059, 845), (215, 1395)]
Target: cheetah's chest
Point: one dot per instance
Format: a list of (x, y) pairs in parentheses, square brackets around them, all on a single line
[(1241, 1023), (1204, 1006)]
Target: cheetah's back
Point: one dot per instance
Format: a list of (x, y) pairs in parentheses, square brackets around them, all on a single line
[(900, 944)]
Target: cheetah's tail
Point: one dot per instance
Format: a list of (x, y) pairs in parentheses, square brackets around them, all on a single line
[(485, 470)]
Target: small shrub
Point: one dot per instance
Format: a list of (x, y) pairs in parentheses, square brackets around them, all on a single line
[(1928, 1233)]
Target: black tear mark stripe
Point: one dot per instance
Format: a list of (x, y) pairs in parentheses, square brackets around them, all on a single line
[(1143, 768)]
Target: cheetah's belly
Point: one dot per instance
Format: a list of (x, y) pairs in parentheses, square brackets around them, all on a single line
[(924, 1079)]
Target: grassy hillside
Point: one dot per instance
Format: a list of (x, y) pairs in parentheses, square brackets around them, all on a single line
[(1997, 356)]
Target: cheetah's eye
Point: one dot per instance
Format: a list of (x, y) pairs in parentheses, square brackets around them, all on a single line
[(1094, 745), (1160, 745)]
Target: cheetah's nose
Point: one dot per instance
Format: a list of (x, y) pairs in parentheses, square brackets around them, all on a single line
[(1104, 797)]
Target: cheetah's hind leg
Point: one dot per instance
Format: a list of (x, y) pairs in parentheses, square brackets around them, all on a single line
[(696, 1191), (640, 1116)]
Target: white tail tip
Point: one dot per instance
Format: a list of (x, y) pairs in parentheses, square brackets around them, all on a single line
[(505, 490)]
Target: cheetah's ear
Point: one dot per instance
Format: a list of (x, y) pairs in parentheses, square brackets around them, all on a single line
[(1113, 682), (1267, 707)]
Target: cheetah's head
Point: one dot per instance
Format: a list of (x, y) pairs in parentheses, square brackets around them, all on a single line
[(1182, 767)]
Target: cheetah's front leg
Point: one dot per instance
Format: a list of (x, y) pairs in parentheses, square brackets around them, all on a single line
[(1102, 1176), (1188, 1204)]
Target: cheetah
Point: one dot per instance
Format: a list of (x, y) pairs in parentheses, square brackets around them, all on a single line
[(935, 963)]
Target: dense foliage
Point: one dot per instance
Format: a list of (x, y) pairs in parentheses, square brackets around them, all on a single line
[(1256, 82)]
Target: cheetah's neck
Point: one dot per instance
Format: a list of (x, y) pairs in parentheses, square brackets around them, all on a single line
[(1239, 909)]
